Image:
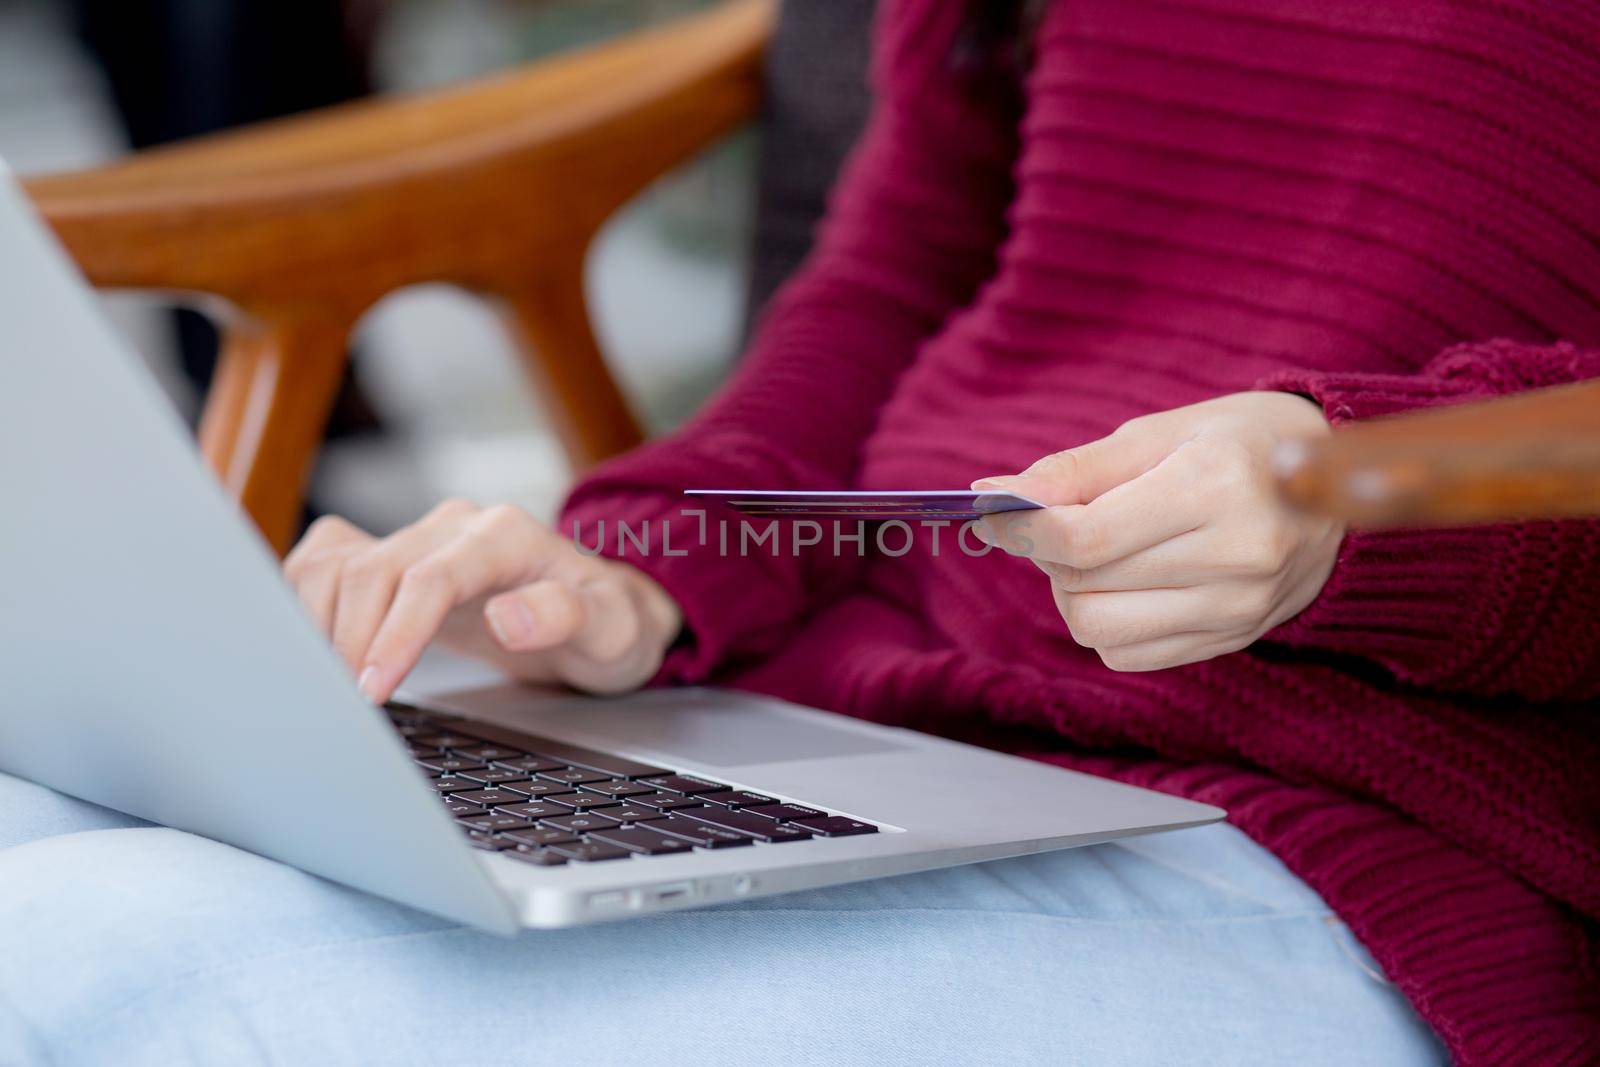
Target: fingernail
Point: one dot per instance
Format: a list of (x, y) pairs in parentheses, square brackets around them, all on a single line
[(368, 682), (513, 622), (999, 481)]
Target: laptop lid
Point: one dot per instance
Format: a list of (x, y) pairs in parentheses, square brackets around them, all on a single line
[(151, 658)]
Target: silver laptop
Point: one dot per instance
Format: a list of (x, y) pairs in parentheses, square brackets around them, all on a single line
[(153, 661)]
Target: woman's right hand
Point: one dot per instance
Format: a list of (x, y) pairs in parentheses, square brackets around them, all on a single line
[(492, 583)]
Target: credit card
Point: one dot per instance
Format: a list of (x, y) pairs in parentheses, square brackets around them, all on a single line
[(953, 504)]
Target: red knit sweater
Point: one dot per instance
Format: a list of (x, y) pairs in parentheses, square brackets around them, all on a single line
[(1385, 206)]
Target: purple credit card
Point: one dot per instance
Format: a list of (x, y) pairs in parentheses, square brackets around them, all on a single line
[(868, 504)]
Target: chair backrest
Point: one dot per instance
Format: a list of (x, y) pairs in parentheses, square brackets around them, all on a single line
[(293, 229)]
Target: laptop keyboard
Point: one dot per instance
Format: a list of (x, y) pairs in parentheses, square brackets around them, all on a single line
[(550, 803)]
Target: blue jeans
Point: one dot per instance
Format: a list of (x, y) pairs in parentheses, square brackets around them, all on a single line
[(123, 943)]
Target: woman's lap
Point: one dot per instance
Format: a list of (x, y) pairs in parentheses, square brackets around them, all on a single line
[(132, 944)]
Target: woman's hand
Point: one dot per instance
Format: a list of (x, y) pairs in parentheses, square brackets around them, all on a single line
[(1166, 542), (493, 583)]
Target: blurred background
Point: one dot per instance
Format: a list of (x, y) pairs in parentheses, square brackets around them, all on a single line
[(437, 404)]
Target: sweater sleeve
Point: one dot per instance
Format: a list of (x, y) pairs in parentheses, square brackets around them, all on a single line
[(912, 229), (1509, 609)]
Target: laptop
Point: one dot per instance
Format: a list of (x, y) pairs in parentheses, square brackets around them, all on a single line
[(155, 662)]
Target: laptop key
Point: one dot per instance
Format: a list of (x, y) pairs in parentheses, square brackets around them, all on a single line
[(496, 776), (786, 812), (573, 776), (449, 764), (536, 789), (494, 822), (683, 783), (538, 809), (446, 740), (836, 826), (737, 798), (742, 821), (642, 840), (580, 822), (665, 801), (454, 785), (489, 753), (459, 808), (618, 787), (583, 801), (540, 857), (487, 840), (698, 833), (591, 851), (628, 813), (530, 764), (491, 797), (488, 844), (539, 836)]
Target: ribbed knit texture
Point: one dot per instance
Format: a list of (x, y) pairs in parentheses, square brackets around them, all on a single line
[(1384, 206)]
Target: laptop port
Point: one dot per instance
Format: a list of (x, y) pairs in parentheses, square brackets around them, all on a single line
[(670, 894), (608, 900)]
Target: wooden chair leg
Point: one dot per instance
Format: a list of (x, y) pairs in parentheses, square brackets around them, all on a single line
[(267, 409), (549, 319)]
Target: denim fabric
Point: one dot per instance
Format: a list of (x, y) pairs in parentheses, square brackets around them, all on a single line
[(123, 943)]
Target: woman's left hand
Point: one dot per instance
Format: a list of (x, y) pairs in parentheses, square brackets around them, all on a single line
[(1166, 542)]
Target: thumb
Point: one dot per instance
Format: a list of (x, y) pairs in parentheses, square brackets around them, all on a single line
[(1081, 474), (538, 616)]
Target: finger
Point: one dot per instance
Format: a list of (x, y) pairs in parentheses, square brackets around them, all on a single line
[(537, 617), (1160, 504), (498, 549), (1081, 474), (368, 581), (590, 637), (1176, 563), (1175, 650), (1111, 620), (596, 620), (1218, 552), (312, 568), (611, 625)]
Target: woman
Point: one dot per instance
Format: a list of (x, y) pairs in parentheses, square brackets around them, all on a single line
[(1188, 233)]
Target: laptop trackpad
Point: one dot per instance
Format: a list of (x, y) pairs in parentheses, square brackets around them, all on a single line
[(720, 728)]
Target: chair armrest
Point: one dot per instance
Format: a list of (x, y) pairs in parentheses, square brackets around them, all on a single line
[(1531, 456)]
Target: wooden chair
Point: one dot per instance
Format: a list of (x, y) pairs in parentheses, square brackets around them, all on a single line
[(1530, 456), (291, 230)]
